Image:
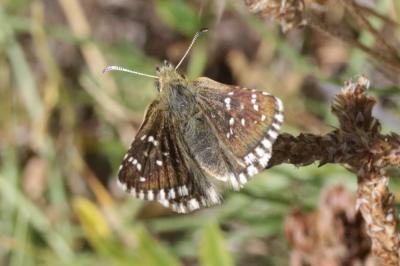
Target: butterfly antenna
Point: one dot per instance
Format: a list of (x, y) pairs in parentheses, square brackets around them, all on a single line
[(118, 68), (190, 46)]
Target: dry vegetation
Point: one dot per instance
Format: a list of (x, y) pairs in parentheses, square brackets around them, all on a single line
[(329, 195)]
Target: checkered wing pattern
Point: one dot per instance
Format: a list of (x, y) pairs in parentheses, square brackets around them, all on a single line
[(158, 168), (246, 122)]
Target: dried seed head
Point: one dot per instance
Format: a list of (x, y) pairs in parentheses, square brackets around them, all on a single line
[(289, 13)]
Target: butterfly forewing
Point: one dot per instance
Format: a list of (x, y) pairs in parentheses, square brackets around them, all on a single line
[(157, 167), (197, 135), (246, 123)]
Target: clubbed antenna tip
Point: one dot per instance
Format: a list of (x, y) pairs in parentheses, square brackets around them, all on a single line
[(118, 68), (191, 45)]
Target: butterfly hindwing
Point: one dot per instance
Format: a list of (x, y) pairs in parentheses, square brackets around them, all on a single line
[(158, 168), (246, 122), (196, 133)]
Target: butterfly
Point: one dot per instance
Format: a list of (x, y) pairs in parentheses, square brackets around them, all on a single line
[(197, 137)]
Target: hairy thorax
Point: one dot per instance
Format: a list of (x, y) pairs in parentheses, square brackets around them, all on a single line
[(176, 94)]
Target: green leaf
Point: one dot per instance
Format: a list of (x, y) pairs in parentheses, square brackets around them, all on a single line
[(152, 253), (179, 15), (213, 251), (15, 197), (92, 220), (198, 60), (396, 5)]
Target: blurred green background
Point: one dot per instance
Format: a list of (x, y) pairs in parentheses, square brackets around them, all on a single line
[(65, 127)]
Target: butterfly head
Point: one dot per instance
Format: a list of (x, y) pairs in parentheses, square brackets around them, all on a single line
[(168, 76)]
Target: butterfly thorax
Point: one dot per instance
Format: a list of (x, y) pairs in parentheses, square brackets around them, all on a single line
[(175, 92)]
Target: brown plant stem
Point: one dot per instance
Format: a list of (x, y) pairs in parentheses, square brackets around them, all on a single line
[(295, 13), (369, 11), (363, 22), (317, 24), (358, 145)]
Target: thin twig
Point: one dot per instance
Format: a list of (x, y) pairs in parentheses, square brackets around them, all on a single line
[(317, 24), (363, 22), (372, 12), (294, 13)]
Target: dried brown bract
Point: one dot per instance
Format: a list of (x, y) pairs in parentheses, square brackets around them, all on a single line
[(358, 145), (333, 234), (289, 13)]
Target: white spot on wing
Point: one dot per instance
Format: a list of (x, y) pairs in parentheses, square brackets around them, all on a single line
[(273, 134), (267, 144), (247, 160), (279, 118), (180, 191), (142, 179), (242, 179), (141, 195), (212, 195), (252, 170), (264, 159), (263, 117), (171, 194), (231, 121), (252, 156), (228, 103), (243, 121), (234, 182), (279, 104), (159, 163), (276, 126), (161, 194), (185, 191), (150, 195), (193, 204), (164, 202), (182, 208), (260, 151)]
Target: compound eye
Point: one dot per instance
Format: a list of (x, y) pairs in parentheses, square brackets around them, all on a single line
[(157, 69)]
